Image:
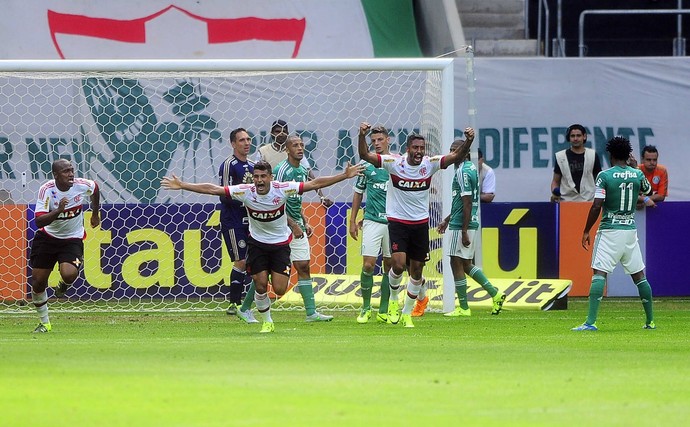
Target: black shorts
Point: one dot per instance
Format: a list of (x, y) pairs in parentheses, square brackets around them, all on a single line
[(46, 251), (265, 257), (413, 239), (236, 242)]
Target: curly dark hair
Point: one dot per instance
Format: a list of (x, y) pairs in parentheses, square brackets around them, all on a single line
[(619, 147)]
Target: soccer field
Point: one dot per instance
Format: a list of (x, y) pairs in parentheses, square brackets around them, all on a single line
[(208, 369)]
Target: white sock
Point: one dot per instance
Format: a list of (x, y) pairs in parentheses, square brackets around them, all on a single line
[(41, 303), (413, 288), (422, 290), (394, 283), (263, 305)]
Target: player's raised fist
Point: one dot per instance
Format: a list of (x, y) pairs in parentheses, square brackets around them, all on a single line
[(364, 127), (469, 134)]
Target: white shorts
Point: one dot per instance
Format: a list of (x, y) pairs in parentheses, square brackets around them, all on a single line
[(613, 246), (454, 246), (299, 249), (375, 239)]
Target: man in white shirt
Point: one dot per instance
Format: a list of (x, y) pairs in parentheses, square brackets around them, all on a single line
[(487, 179)]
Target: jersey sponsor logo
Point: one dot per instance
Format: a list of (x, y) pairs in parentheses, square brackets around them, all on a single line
[(625, 175), (380, 186), (266, 216), (71, 213), (411, 184)]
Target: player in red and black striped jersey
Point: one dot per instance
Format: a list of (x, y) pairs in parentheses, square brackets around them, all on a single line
[(407, 208), (59, 239), (268, 252)]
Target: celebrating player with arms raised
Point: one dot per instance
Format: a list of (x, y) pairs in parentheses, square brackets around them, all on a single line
[(407, 208)]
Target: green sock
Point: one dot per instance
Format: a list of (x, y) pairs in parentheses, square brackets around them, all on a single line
[(385, 294), (596, 293), (249, 298), (307, 292), (461, 291), (645, 291), (478, 275), (366, 285)]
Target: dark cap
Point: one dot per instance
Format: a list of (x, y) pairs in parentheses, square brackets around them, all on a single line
[(280, 123)]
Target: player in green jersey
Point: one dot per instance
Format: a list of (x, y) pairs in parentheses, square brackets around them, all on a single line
[(617, 191), (374, 183), (463, 226), (291, 169)]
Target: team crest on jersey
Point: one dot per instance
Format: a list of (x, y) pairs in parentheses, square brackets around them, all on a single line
[(422, 170), (656, 180), (77, 198), (276, 200), (242, 244)]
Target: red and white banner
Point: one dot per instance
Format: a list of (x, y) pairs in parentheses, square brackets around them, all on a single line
[(184, 29)]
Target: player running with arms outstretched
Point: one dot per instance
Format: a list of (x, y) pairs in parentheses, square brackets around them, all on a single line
[(269, 239)]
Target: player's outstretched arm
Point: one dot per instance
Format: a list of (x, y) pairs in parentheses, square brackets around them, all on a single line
[(461, 151), (325, 181), (175, 183), (362, 148)]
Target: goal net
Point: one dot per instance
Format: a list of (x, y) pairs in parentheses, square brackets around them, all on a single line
[(126, 124)]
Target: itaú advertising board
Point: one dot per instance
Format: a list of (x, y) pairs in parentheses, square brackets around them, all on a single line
[(172, 250)]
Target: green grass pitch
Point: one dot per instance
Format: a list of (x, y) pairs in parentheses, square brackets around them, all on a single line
[(521, 368)]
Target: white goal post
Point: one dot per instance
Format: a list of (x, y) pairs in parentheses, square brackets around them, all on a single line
[(127, 123)]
